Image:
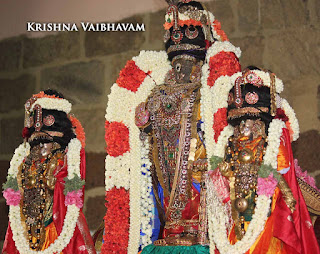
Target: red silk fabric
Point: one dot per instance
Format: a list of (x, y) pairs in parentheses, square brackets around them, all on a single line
[(295, 231)]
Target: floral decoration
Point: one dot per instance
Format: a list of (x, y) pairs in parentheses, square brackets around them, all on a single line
[(116, 235), (218, 221), (74, 198), (131, 77), (117, 138), (223, 64), (53, 103), (219, 31), (266, 186), (210, 103), (274, 134), (220, 122), (146, 197), (268, 175), (73, 184), (123, 171), (303, 175), (12, 197), (25, 132), (78, 129), (293, 121)]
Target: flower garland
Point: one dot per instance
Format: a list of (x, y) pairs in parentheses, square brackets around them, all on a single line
[(294, 124), (218, 221), (208, 105), (72, 198), (146, 197), (122, 169), (272, 149), (116, 233), (53, 103)]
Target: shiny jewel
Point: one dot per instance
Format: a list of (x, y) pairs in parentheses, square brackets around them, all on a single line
[(31, 181), (245, 156), (252, 98), (241, 204)]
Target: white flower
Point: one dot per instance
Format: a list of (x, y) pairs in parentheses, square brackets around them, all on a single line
[(292, 118), (19, 154), (219, 46), (53, 103), (220, 146), (73, 158), (274, 135)]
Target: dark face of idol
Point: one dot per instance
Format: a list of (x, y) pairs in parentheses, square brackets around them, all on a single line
[(53, 126)]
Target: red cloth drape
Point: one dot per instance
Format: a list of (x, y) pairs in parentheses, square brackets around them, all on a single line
[(294, 229)]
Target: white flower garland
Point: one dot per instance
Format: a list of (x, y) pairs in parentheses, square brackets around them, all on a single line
[(53, 103), (146, 197), (219, 147), (218, 220), (220, 46), (208, 99), (292, 118), (71, 218), (265, 76), (220, 91), (19, 154), (184, 17), (274, 135)]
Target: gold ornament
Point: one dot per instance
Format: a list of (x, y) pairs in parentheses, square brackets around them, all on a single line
[(241, 204), (245, 156)]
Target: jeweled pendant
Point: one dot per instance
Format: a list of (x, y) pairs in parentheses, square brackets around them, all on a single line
[(245, 156), (241, 204)]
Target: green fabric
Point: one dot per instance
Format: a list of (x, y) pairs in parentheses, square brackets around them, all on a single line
[(47, 223), (194, 249), (11, 183)]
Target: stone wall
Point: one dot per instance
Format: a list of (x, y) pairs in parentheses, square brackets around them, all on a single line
[(276, 34)]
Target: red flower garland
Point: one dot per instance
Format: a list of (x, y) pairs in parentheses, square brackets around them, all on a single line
[(220, 121), (219, 31), (131, 76), (116, 234), (43, 95), (117, 138), (79, 130), (222, 64)]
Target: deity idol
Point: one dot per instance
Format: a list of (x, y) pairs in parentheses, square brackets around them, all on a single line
[(255, 203), (44, 187), (159, 121)]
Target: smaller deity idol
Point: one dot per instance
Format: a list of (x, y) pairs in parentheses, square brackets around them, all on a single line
[(255, 183), (45, 182)]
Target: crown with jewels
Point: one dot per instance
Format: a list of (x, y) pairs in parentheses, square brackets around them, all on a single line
[(185, 22)]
